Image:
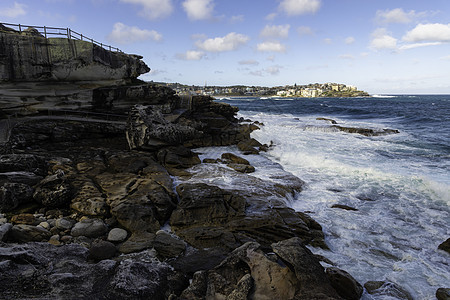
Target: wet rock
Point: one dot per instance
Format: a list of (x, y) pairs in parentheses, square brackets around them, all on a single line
[(4, 230), (387, 289), (89, 199), (23, 163), (366, 131), (101, 250), (29, 233), (92, 228), (197, 288), (326, 119), (308, 271), (242, 168), (117, 235), (249, 146), (177, 158), (232, 158), (55, 240), (53, 191), (346, 286), (14, 194), (138, 241), (210, 161), (443, 294), (167, 245), (345, 207), (445, 246)]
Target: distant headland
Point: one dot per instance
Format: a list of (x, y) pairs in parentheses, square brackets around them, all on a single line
[(313, 90)]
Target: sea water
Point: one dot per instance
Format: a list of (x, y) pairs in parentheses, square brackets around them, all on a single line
[(399, 183)]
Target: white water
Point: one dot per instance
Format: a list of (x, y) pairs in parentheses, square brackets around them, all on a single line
[(403, 204)]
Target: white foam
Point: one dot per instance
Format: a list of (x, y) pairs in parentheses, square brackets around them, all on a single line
[(403, 204)]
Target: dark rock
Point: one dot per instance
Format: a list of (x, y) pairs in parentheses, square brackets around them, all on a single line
[(22, 177), (117, 235), (29, 233), (346, 286), (14, 194), (242, 168), (345, 207), (325, 119), (92, 228), (232, 158), (387, 289), (167, 245), (64, 223), (308, 271), (101, 250), (249, 146), (445, 246), (177, 158), (366, 131), (54, 191), (209, 161), (23, 163), (197, 288), (138, 241), (4, 230), (443, 294)]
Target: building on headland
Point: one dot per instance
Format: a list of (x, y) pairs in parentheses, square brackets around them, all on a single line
[(300, 91)]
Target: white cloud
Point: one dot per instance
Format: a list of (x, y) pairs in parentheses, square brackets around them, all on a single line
[(418, 45), (191, 55), (445, 57), (273, 70), (397, 15), (299, 7), (250, 62), (328, 41), (271, 58), (275, 31), (230, 42), (153, 9), (349, 40), (16, 10), (123, 34), (346, 56), (199, 9), (237, 19), (271, 47), (271, 17), (382, 40), (428, 33), (304, 30)]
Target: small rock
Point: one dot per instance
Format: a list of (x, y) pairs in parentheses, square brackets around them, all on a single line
[(387, 289), (242, 168), (66, 239), (443, 294), (209, 161), (28, 219), (92, 228), (137, 242), (232, 158), (117, 235), (167, 245), (29, 233), (64, 223), (342, 206), (346, 286), (445, 246), (326, 119), (101, 250), (4, 229), (55, 240), (44, 225)]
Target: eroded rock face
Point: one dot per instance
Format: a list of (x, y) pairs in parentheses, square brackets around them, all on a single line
[(27, 56), (252, 273)]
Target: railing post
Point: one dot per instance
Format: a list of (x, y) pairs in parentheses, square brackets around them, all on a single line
[(68, 33), (81, 36), (45, 32), (20, 29)]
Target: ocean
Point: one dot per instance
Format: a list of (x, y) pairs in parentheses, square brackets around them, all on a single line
[(399, 184)]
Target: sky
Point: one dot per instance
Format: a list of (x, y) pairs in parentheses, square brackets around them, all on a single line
[(380, 46)]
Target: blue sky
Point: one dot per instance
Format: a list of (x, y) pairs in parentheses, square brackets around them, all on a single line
[(381, 46)]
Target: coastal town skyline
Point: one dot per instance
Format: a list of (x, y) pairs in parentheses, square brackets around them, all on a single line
[(381, 46)]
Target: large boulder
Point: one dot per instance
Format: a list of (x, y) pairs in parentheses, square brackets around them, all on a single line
[(54, 191), (29, 233), (14, 194), (346, 286)]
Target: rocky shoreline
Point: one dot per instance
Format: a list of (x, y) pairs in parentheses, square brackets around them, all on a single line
[(103, 193), (110, 209)]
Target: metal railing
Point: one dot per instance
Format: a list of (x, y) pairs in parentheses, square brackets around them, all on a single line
[(59, 31)]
